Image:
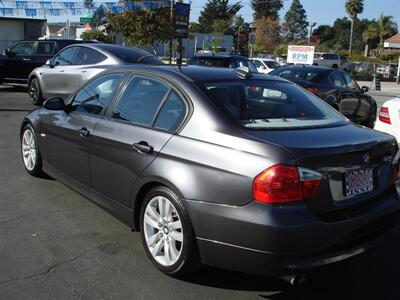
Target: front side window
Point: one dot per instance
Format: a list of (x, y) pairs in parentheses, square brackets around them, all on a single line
[(87, 56), (258, 64), (95, 96), (23, 48), (259, 104), (141, 100), (65, 57), (350, 83), (45, 48)]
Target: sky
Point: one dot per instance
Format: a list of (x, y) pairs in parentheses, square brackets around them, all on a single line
[(320, 11)]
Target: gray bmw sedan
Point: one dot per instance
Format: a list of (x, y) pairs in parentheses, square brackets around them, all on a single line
[(220, 167)]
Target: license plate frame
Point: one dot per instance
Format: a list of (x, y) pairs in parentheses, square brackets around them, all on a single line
[(358, 182)]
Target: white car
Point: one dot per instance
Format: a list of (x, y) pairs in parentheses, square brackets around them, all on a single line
[(388, 120), (265, 65), (329, 60)]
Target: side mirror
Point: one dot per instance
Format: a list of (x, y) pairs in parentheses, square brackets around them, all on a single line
[(364, 89), (54, 104), (9, 53), (48, 62), (52, 64)]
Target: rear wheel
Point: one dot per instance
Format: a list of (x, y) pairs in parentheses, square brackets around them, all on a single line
[(167, 233), (30, 152), (34, 92)]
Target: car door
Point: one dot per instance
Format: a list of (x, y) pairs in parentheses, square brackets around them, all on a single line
[(144, 118), (364, 108), (347, 100), (68, 133), (53, 82), (18, 62)]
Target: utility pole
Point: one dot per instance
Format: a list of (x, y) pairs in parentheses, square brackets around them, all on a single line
[(172, 30), (238, 40), (179, 46), (311, 27)]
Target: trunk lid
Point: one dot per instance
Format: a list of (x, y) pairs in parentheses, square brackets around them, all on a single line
[(334, 152)]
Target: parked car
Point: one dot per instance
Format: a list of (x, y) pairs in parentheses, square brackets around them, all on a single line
[(17, 62), (388, 71), (329, 60), (335, 87), (389, 118), (237, 170), (265, 65), (75, 64), (222, 61)]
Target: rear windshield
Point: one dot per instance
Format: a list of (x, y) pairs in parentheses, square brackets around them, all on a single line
[(300, 74), (261, 104), (271, 64), (211, 62)]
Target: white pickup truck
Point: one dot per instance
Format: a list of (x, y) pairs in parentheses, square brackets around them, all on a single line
[(329, 60)]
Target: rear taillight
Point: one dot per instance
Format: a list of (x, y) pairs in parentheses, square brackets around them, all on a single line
[(283, 183), (313, 90), (384, 115), (394, 170)]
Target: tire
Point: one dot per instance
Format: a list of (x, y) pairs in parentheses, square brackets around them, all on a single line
[(35, 92), (30, 152), (158, 231)]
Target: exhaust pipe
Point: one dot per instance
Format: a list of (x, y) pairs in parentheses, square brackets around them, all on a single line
[(294, 279)]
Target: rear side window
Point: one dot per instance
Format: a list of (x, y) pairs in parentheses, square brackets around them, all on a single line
[(171, 114), (211, 62), (141, 100), (45, 48), (304, 74), (95, 97), (336, 80), (88, 56), (264, 105)]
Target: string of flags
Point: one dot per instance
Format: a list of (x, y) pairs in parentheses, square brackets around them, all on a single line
[(34, 9)]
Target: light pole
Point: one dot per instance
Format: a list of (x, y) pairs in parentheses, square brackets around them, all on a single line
[(238, 39), (311, 27)]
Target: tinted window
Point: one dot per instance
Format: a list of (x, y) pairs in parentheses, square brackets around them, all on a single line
[(262, 104), (95, 96), (65, 56), (171, 113), (350, 83), (133, 56), (211, 62), (272, 64), (87, 56), (336, 80), (140, 101), (258, 64), (299, 74), (23, 48), (247, 64), (45, 48)]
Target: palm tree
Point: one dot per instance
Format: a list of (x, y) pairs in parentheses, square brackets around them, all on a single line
[(353, 8), (383, 28)]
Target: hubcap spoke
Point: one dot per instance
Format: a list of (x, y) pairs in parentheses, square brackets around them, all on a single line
[(153, 239), (173, 252), (153, 213), (177, 236), (166, 252), (155, 251), (150, 221), (176, 225)]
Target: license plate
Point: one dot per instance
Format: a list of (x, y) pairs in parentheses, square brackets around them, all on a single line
[(358, 182)]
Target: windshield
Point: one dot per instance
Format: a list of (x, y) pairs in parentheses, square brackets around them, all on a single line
[(262, 104)]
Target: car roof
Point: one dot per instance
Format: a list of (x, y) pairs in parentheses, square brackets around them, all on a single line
[(197, 73), (220, 56), (310, 68)]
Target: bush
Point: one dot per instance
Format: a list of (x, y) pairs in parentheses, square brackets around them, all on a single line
[(98, 35)]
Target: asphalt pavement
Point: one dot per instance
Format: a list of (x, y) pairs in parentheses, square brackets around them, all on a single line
[(55, 244)]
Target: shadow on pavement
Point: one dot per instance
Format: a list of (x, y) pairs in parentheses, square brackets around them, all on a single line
[(374, 275), (12, 89)]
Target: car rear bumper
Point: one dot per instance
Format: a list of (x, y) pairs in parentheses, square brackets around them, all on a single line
[(388, 128), (279, 240)]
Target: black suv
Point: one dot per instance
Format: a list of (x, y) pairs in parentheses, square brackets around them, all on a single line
[(17, 62), (223, 61)]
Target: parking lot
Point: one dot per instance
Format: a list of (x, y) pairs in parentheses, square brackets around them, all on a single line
[(55, 244)]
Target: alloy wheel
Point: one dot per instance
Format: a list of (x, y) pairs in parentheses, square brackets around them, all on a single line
[(29, 151), (163, 231)]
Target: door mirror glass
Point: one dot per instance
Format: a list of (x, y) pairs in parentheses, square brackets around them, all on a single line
[(9, 53), (364, 89), (54, 104)]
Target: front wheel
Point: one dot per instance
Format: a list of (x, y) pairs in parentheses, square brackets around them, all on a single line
[(167, 233), (34, 92), (30, 152)]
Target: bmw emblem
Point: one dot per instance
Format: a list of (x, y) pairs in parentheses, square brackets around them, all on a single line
[(365, 158)]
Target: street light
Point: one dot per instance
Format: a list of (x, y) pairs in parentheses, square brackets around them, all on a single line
[(311, 27)]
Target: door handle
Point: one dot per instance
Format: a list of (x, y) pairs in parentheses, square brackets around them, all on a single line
[(61, 71), (26, 59), (83, 71), (143, 147), (84, 132)]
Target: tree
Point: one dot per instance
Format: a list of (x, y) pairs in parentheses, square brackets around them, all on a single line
[(295, 24), (240, 30), (143, 27), (194, 27), (217, 10), (221, 26), (267, 33), (353, 8), (266, 8), (88, 4), (98, 35), (383, 28)]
